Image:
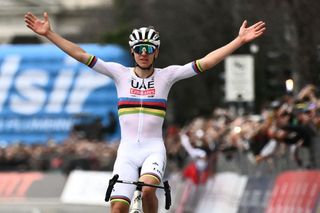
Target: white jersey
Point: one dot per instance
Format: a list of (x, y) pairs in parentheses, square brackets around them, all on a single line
[(142, 102)]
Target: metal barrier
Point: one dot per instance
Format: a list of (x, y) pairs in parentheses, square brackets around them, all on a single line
[(282, 160)]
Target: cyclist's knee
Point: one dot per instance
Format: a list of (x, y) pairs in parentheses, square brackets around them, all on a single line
[(119, 207), (148, 193)]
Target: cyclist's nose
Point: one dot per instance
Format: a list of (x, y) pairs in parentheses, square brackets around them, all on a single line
[(144, 52)]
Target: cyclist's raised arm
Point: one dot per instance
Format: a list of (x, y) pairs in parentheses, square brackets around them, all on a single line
[(246, 34), (43, 28)]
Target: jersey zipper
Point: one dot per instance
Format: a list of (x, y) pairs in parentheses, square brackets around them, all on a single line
[(140, 124)]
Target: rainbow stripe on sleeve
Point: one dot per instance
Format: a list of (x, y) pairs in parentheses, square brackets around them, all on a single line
[(91, 61), (156, 107), (197, 67)]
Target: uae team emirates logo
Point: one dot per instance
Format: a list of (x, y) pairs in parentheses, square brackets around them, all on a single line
[(142, 88)]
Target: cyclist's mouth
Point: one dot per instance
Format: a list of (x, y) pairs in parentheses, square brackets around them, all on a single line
[(144, 60)]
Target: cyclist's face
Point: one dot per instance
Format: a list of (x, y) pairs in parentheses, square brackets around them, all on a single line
[(145, 57)]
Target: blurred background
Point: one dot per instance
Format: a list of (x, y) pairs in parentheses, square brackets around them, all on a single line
[(242, 137)]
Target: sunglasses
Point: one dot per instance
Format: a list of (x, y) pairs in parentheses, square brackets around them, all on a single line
[(148, 49)]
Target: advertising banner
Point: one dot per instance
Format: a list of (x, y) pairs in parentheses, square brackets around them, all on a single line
[(222, 193), (25, 185), (295, 192), (86, 187), (44, 92)]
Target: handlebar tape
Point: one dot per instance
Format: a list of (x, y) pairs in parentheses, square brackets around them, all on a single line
[(167, 191), (112, 181)]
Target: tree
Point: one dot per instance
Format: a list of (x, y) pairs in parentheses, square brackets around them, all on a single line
[(190, 29), (304, 16)]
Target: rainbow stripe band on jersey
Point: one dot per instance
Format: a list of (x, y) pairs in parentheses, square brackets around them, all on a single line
[(121, 199), (156, 107), (91, 61), (152, 175), (197, 67)]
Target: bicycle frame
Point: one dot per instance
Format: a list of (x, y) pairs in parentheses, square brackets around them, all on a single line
[(139, 184), (137, 201)]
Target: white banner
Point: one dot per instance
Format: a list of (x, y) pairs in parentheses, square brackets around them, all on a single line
[(86, 187), (239, 78), (222, 193)]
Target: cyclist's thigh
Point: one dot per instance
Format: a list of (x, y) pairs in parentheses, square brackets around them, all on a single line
[(127, 171), (154, 165)]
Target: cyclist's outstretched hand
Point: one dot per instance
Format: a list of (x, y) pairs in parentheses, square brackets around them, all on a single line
[(250, 33), (41, 27)]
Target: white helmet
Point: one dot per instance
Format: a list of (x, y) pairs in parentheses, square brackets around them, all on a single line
[(144, 35)]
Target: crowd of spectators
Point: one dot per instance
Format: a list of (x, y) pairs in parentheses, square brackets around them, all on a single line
[(284, 126), (74, 153), (289, 123)]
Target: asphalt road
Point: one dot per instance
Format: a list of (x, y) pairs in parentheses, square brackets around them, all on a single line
[(48, 206)]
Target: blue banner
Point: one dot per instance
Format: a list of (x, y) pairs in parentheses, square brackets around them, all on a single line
[(44, 93)]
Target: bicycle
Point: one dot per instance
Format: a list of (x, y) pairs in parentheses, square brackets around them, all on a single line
[(137, 196)]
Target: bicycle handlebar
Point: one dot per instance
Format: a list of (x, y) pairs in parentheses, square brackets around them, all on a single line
[(167, 193), (165, 187), (112, 181)]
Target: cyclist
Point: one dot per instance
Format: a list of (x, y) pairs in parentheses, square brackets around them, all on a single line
[(142, 94)]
